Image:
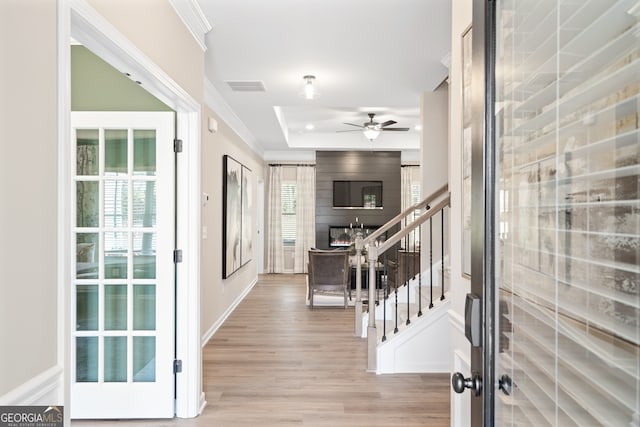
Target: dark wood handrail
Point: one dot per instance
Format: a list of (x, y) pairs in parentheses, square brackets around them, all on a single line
[(424, 203), (414, 224)]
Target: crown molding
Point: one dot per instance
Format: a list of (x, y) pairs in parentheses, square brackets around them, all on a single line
[(214, 100), (446, 60), (290, 156), (194, 19)]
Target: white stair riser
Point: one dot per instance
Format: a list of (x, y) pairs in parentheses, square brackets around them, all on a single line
[(422, 346)]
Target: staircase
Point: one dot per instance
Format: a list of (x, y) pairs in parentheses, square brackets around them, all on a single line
[(422, 345), (408, 331)]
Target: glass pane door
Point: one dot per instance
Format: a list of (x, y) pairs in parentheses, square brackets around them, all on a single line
[(123, 285), (568, 213)]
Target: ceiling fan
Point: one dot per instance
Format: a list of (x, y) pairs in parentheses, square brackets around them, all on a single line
[(372, 129)]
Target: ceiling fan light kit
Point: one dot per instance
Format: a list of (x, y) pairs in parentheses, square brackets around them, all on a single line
[(371, 133), (371, 129)]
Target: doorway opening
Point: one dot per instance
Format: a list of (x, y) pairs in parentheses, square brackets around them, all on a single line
[(82, 23)]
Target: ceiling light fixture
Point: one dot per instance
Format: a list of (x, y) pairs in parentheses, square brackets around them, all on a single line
[(309, 88), (371, 132)]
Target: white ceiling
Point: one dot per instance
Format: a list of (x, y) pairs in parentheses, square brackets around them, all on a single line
[(367, 55)]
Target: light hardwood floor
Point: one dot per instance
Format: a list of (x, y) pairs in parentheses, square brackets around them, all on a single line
[(275, 362)]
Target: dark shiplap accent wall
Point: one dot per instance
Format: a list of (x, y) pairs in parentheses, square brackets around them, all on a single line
[(361, 166)]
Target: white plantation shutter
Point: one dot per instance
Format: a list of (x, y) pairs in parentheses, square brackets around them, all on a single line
[(568, 97), (289, 213)]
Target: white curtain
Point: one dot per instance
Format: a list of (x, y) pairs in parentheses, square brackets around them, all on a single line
[(406, 179), (405, 187), (275, 258), (305, 216)]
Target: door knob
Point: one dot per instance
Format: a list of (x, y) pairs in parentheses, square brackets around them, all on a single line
[(460, 383), (505, 384)]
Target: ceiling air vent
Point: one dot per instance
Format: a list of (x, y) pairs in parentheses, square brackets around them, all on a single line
[(246, 85)]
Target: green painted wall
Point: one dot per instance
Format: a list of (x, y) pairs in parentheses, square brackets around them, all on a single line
[(97, 86)]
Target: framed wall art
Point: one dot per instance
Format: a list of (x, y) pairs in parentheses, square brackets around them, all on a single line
[(236, 221)]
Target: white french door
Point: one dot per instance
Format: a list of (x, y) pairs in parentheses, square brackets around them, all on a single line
[(123, 307)]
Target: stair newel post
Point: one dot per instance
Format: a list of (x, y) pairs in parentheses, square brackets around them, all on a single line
[(384, 297), (358, 304), (372, 334), (431, 262), (395, 309), (442, 257), (405, 277), (408, 302)]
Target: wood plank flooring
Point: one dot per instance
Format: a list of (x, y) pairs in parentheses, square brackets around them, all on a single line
[(275, 362)]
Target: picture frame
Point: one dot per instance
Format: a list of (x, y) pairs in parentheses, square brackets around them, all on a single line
[(466, 44), (246, 247), (231, 216)]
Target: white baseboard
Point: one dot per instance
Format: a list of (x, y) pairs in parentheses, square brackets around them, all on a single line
[(212, 330), (203, 402), (46, 388)]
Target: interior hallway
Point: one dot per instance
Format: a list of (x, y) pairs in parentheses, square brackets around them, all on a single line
[(275, 362)]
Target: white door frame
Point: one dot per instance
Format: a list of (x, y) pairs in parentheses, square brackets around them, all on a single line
[(77, 19)]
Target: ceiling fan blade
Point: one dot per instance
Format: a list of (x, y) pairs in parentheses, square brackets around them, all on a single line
[(351, 124), (350, 130), (395, 129), (388, 123)]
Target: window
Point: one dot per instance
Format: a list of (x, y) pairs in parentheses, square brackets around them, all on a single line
[(415, 192), (288, 199), (414, 236), (415, 196), (411, 192)]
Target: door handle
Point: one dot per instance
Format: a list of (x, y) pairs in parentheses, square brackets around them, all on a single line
[(473, 319), (460, 383)]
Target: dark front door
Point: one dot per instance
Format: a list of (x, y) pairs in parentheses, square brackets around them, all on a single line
[(479, 306)]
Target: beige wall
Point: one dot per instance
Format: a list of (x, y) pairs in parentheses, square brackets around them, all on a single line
[(28, 191), (434, 159), (434, 141), (216, 294)]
